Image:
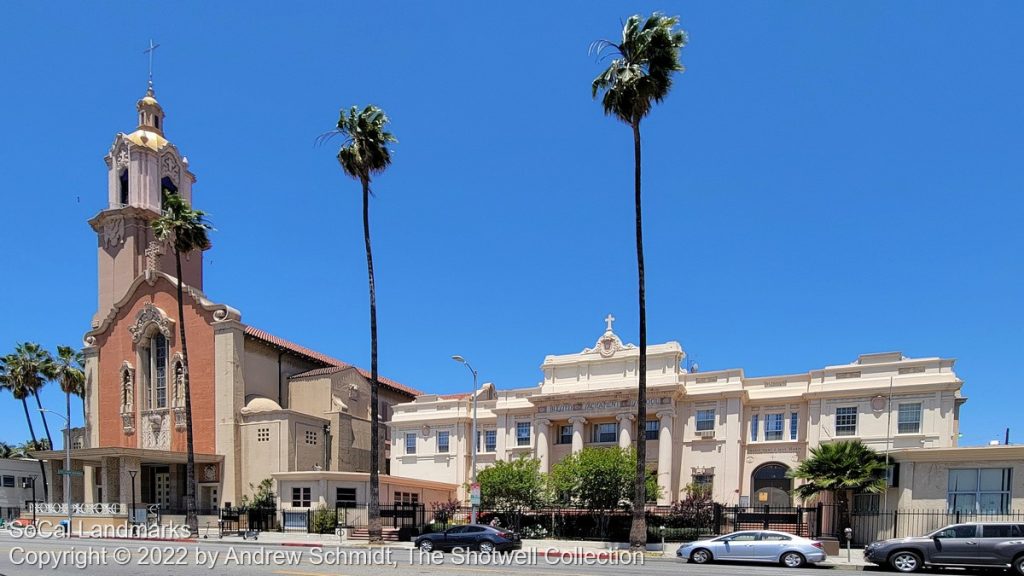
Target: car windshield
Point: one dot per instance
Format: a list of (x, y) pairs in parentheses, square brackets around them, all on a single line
[(962, 531)]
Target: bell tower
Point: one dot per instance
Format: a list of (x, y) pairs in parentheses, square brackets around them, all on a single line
[(141, 166)]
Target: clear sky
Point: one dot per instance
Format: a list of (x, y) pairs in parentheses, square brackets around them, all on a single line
[(826, 179)]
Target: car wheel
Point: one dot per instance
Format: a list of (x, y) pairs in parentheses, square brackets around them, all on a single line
[(487, 547), (792, 560), (1018, 564), (426, 545), (905, 562), (700, 556)]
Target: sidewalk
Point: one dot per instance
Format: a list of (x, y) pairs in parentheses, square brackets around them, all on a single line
[(856, 561)]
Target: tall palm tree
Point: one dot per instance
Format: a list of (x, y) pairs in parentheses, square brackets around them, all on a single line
[(11, 378), (36, 364), (841, 469), (364, 154), (6, 450), (186, 230), (66, 370), (639, 75)]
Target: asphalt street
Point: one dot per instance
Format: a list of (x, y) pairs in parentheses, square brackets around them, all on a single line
[(23, 556)]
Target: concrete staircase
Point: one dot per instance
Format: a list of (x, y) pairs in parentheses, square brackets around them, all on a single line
[(389, 534)]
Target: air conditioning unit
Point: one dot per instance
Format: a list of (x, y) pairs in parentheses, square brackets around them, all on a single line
[(705, 434)]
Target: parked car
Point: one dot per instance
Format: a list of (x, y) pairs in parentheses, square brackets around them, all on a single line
[(975, 544), (755, 546), (470, 537)]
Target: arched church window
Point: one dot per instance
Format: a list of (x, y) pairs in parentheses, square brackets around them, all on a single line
[(158, 369), (167, 186), (156, 122), (124, 186)]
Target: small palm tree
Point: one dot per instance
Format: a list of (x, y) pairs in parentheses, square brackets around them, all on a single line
[(840, 469), (13, 378), (364, 154), (186, 230), (66, 370), (6, 450), (639, 76)]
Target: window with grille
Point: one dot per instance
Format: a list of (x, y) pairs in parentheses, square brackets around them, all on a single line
[(773, 426), (442, 441), (311, 437), (909, 419), (846, 421), (522, 433), (705, 420), (300, 497), (263, 434)]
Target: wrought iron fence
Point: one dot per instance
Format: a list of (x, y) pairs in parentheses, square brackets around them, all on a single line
[(871, 526)]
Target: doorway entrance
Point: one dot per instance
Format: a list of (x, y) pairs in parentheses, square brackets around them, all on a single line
[(771, 487)]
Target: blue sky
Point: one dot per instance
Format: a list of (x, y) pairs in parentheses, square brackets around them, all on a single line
[(826, 179)]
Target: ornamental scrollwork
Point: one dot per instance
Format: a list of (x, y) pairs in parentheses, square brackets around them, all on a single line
[(150, 314)]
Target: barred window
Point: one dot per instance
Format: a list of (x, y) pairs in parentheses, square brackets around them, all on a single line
[(263, 434), (300, 497), (311, 437)]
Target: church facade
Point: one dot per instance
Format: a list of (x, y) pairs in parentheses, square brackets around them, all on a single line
[(735, 434), (261, 405)]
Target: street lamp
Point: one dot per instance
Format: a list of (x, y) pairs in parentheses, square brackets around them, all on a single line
[(131, 513), (473, 441), (30, 481), (67, 463)]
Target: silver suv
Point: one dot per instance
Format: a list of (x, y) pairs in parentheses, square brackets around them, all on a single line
[(977, 544)]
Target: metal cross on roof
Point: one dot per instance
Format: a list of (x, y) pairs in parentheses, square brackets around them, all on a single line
[(152, 48)]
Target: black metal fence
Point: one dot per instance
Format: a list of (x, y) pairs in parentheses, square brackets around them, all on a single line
[(871, 526), (407, 518)]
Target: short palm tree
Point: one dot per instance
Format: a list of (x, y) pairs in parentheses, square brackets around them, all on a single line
[(66, 370), (6, 450), (12, 378), (840, 469), (364, 154), (639, 76), (186, 230)]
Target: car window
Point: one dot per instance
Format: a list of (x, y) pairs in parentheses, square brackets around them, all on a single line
[(742, 537), (962, 531), (474, 529), (455, 530), (996, 530), (774, 537)]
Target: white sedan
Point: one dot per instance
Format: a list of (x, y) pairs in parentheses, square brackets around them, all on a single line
[(755, 546)]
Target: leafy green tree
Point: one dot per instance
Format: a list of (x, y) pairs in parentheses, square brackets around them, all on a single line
[(598, 479), (512, 487), (18, 378), (363, 155), (187, 231), (639, 75), (840, 469)]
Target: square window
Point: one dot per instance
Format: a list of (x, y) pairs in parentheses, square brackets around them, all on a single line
[(263, 434), (345, 498), (846, 421), (705, 420), (909, 419), (410, 443), (604, 433), (300, 497), (522, 433), (442, 441), (8, 481), (565, 434)]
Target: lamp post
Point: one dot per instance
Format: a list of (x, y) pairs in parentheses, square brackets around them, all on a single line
[(131, 513), (30, 481), (473, 440), (67, 463)]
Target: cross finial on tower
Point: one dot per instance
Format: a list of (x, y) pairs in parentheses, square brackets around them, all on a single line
[(152, 48), (608, 320)]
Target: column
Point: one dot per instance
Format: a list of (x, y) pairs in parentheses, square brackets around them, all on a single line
[(111, 479), (625, 429), (90, 485), (127, 464), (665, 464), (577, 432), (541, 426)]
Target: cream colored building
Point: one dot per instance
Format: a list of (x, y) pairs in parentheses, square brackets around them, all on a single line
[(736, 433)]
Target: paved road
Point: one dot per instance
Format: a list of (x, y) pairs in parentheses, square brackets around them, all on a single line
[(120, 558)]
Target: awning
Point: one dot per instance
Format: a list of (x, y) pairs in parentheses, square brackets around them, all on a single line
[(147, 455)]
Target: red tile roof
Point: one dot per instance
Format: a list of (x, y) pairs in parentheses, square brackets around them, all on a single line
[(333, 364)]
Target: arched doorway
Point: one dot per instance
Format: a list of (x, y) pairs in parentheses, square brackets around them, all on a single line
[(770, 486)]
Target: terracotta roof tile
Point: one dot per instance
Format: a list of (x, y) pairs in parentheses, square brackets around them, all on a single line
[(333, 364)]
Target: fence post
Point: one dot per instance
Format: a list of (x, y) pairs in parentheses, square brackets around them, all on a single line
[(895, 522), (818, 520), (765, 519), (957, 517), (717, 518), (799, 520)]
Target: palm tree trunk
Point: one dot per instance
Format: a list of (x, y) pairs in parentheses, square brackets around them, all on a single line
[(46, 426), (373, 511), (638, 529), (843, 515), (32, 432), (191, 520)]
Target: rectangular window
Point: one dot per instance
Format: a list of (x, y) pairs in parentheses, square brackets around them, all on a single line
[(410, 443), (773, 426), (406, 498), (565, 434), (442, 441), (522, 433), (160, 369), (705, 420), (8, 481), (490, 440), (604, 433), (345, 498), (703, 481), (300, 497), (909, 419), (846, 421), (794, 425), (753, 428), (867, 503), (651, 433), (984, 490)]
